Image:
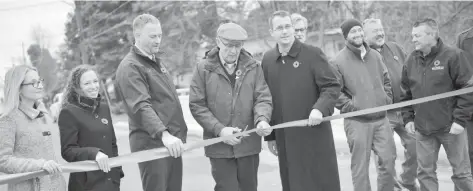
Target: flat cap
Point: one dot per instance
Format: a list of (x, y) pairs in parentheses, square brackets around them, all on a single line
[(232, 31)]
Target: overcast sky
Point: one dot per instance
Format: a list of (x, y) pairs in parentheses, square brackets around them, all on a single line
[(18, 18)]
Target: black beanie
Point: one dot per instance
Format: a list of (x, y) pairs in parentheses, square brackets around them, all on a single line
[(348, 24)]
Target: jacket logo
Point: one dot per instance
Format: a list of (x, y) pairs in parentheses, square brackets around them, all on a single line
[(437, 66), (296, 64)]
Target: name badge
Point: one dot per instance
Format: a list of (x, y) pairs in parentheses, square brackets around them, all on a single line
[(46, 133)]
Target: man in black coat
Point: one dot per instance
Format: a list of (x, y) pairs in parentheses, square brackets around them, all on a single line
[(303, 86), (154, 112), (465, 42), (435, 68)]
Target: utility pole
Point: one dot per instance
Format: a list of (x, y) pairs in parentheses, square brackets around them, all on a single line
[(80, 35)]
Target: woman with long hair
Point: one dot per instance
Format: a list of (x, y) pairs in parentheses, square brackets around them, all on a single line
[(26, 144), (87, 132)]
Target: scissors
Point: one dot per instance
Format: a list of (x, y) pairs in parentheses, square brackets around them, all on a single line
[(240, 137)]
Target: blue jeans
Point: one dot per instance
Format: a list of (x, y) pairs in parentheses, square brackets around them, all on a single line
[(456, 148), (408, 141)]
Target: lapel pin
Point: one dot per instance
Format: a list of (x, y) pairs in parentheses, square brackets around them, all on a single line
[(238, 73), (46, 133), (296, 64), (163, 70), (104, 121)]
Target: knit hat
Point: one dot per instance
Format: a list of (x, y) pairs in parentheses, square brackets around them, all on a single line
[(348, 24)]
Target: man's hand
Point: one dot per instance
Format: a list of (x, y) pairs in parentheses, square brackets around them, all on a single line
[(410, 128), (227, 131), (263, 128), (315, 117), (173, 144), (456, 129), (273, 147)]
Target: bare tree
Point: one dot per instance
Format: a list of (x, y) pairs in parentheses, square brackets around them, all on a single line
[(40, 36)]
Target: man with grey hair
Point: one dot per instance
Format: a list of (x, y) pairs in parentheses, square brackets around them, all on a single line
[(435, 68), (232, 78), (300, 26), (394, 58), (152, 104)]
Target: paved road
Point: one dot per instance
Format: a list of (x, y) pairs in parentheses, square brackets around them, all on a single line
[(197, 175)]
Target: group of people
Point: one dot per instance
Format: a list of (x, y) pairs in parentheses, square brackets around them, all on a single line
[(232, 92)]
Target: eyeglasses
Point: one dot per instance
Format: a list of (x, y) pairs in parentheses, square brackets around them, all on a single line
[(281, 28), (236, 45), (35, 83), (300, 30)]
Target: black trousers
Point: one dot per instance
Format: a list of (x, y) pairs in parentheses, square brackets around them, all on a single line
[(162, 175), (235, 174), (469, 131)]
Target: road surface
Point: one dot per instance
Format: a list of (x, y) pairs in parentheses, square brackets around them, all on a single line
[(197, 176)]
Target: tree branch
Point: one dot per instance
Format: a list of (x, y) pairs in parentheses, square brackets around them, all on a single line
[(456, 14), (371, 10), (349, 9)]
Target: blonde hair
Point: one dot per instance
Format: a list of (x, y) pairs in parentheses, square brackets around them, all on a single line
[(73, 84), (13, 80)]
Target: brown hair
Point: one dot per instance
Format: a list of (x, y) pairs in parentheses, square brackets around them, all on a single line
[(278, 14), (73, 83)]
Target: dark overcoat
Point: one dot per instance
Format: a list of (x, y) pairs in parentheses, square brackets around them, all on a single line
[(300, 82), (86, 128)]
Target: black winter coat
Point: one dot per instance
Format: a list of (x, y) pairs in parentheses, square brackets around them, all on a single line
[(86, 128)]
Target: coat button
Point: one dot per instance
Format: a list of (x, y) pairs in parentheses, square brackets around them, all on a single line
[(104, 136), (109, 179)]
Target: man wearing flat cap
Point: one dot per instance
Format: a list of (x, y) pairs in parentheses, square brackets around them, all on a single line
[(365, 84), (228, 94)]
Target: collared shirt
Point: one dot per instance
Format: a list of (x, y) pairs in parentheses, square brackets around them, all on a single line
[(285, 51), (150, 56), (32, 112), (363, 51), (230, 67)]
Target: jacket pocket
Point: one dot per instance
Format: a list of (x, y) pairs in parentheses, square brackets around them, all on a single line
[(116, 175), (93, 178)]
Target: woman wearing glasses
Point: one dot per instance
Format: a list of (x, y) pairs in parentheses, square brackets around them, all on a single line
[(87, 133), (25, 143)]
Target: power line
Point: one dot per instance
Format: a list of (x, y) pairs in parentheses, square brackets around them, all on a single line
[(28, 6), (106, 17)]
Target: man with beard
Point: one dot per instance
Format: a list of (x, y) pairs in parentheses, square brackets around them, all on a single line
[(300, 26), (303, 86), (365, 84), (465, 42), (154, 112), (435, 68), (394, 58)]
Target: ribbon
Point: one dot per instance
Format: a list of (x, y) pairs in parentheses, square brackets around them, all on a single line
[(153, 154)]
